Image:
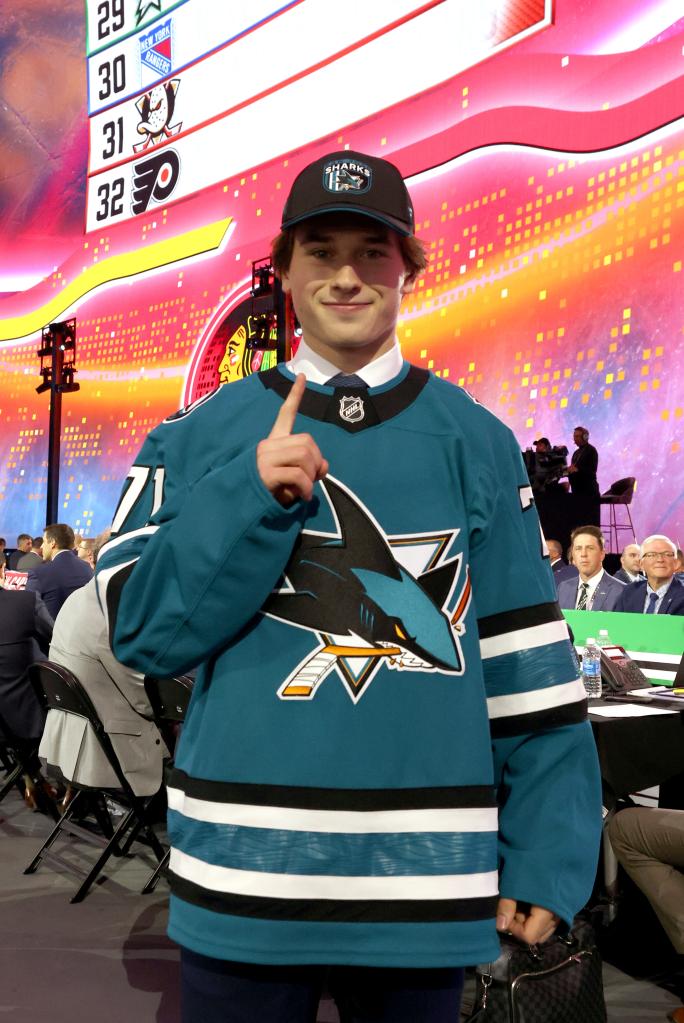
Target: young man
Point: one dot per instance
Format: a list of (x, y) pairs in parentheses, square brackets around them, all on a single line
[(334, 802), (594, 589), (60, 573)]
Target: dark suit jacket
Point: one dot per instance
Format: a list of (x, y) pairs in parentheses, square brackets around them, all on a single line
[(606, 594), (584, 480), (23, 621), (55, 580), (623, 577), (633, 598), (561, 572)]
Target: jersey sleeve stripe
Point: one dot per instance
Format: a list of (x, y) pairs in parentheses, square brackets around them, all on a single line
[(535, 700), (539, 721), (524, 639), (519, 618)]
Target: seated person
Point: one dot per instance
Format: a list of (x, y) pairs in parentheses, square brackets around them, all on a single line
[(24, 625), (649, 844), (630, 560), (61, 573), (560, 570), (659, 593), (593, 589), (81, 644), (679, 565)]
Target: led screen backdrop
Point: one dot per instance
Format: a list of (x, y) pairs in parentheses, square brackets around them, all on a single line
[(543, 145)]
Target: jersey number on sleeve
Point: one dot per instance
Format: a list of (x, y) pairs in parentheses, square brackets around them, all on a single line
[(139, 476)]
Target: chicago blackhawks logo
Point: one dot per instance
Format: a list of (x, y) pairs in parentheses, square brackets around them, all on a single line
[(370, 599)]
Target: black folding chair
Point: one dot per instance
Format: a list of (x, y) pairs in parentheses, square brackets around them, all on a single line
[(169, 699), (59, 689), (19, 759)]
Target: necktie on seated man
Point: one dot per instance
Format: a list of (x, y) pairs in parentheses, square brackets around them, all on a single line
[(347, 380), (652, 601), (582, 602)]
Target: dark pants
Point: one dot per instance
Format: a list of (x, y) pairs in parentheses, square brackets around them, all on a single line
[(215, 991)]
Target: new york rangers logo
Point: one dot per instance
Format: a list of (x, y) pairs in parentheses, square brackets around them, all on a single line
[(155, 49), (351, 409), (347, 176)]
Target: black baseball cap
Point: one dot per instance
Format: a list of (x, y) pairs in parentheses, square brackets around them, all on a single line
[(349, 182), (543, 440)]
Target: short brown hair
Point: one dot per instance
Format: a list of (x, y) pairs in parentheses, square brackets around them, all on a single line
[(412, 250), (62, 534), (590, 531)]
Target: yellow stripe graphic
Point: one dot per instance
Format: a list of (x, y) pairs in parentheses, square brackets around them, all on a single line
[(116, 268)]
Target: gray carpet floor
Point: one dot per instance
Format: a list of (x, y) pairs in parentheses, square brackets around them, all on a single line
[(107, 959)]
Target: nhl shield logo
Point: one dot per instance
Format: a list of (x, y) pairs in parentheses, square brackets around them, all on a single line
[(351, 409), (347, 176)]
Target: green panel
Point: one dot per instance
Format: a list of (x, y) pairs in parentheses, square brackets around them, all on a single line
[(661, 634)]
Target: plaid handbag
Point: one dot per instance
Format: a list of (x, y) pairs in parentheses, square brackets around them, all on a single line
[(557, 982)]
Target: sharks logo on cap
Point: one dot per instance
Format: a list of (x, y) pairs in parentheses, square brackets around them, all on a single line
[(371, 600), (347, 176)]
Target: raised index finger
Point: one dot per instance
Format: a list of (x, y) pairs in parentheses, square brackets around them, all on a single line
[(288, 410)]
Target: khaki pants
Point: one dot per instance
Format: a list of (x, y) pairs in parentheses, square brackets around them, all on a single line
[(649, 844)]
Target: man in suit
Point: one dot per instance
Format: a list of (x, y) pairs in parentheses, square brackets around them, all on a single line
[(630, 560), (24, 624), (81, 644), (560, 570), (34, 556), (594, 589), (659, 593), (583, 465), (23, 547), (61, 573)]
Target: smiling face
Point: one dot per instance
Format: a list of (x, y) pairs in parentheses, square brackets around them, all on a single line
[(347, 278), (658, 560)]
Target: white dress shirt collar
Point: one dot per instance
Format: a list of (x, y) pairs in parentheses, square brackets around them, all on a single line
[(318, 370)]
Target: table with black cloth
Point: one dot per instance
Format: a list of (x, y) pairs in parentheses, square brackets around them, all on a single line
[(637, 753)]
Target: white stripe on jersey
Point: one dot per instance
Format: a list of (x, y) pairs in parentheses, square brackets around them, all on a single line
[(537, 699), (356, 822), (523, 639), (123, 537), (322, 886), (102, 580)]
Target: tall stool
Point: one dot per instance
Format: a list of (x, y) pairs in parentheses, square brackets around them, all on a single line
[(620, 494)]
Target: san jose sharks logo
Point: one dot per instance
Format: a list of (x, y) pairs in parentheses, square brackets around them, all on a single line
[(347, 176), (368, 600)]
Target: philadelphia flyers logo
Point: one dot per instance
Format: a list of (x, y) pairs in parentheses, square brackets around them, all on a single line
[(154, 179)]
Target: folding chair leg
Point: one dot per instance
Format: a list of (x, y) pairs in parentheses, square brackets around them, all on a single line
[(111, 846), (33, 865), (12, 779), (160, 869)]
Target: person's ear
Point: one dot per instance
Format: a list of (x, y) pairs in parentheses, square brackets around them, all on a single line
[(409, 283), (284, 278)]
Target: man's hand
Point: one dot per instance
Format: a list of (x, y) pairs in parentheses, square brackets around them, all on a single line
[(533, 928), (289, 464)]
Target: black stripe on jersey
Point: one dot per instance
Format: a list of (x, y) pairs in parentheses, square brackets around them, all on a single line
[(114, 587), (538, 720), (309, 798), (521, 618), (378, 408), (360, 911)]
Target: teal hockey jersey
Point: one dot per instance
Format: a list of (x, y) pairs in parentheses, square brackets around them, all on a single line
[(387, 727)]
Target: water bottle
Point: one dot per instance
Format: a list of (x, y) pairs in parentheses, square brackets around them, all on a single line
[(603, 639), (591, 669)]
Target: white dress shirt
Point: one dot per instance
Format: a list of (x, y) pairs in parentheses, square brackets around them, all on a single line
[(318, 370), (592, 584)]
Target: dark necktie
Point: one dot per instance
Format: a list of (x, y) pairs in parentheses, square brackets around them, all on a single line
[(347, 380), (652, 601), (582, 602)]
